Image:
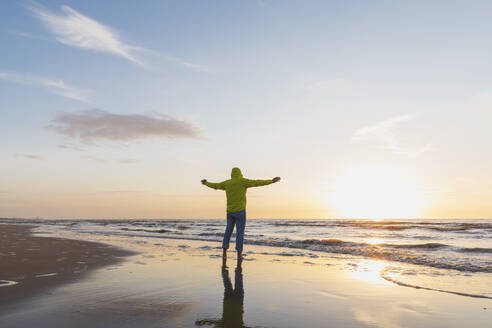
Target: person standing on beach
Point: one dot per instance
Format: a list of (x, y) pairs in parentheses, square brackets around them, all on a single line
[(235, 189)]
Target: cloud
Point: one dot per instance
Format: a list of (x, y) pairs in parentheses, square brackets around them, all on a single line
[(383, 135), (29, 156), (28, 35), (55, 86), (91, 125), (186, 64), (71, 146), (177, 60), (76, 30), (121, 161)]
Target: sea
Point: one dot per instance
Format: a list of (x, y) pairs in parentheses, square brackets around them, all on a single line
[(448, 249)]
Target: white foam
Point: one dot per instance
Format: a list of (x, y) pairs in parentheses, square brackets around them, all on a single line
[(5, 283), (390, 279), (46, 275)]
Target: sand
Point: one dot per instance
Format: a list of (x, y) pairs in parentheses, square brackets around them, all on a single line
[(177, 283), (31, 264)]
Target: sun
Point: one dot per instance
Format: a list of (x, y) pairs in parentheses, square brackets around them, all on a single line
[(376, 192)]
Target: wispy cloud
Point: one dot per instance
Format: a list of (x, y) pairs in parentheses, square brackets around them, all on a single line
[(29, 35), (384, 135), (29, 156), (58, 87), (74, 29), (121, 161), (92, 125), (185, 63), (77, 30), (71, 146)]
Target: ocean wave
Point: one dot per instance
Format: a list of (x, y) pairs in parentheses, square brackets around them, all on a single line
[(338, 242), (390, 252), (219, 234), (434, 244), (389, 225), (416, 246), (441, 227), (147, 230), (475, 250), (301, 224)]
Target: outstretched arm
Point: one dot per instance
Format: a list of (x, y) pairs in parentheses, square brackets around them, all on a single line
[(257, 183), (213, 185)]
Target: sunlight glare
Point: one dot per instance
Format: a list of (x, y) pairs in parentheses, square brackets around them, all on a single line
[(369, 272), (376, 192)]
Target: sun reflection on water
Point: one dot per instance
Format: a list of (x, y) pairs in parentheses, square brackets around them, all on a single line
[(369, 271), (374, 241)]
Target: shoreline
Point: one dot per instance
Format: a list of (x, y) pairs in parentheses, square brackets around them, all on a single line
[(31, 265), (183, 283)]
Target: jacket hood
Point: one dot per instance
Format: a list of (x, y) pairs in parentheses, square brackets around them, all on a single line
[(236, 173)]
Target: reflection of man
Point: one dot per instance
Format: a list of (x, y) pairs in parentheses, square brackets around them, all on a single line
[(232, 315), (232, 308)]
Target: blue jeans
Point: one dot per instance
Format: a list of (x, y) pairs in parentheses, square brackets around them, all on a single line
[(238, 219)]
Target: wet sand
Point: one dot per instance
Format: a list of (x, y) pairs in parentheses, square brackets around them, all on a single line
[(179, 283), (30, 265)]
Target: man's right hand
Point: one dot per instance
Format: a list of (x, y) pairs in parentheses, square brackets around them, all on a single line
[(276, 179), (204, 181)]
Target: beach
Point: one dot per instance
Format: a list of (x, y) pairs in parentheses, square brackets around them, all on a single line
[(259, 164), (32, 264), (129, 281)]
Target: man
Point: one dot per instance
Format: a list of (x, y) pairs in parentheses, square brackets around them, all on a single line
[(235, 189)]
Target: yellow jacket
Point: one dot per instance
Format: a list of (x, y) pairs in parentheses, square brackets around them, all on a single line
[(235, 189)]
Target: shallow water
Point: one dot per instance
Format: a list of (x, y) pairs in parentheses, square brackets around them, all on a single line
[(181, 283), (463, 245), (445, 255)]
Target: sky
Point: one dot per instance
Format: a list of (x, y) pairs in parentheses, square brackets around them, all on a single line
[(365, 109)]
